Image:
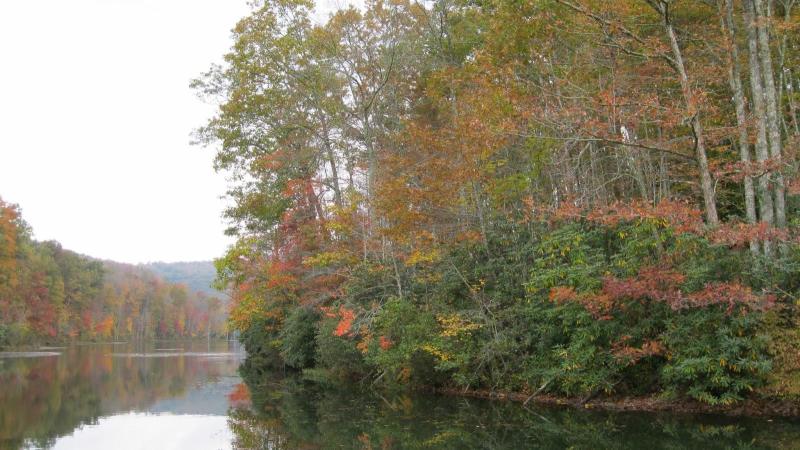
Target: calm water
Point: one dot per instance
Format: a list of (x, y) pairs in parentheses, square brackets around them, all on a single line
[(184, 395)]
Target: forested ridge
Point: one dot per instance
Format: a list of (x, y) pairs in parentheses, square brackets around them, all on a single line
[(50, 295), (196, 275), (572, 197)]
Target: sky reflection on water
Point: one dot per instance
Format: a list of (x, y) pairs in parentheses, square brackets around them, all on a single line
[(136, 431), (191, 396)]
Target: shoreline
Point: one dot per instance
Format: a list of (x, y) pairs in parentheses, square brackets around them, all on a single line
[(761, 407)]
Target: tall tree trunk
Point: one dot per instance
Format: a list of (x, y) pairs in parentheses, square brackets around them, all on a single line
[(372, 167), (790, 87), (331, 155), (706, 182), (785, 81), (735, 81), (762, 17), (765, 204)]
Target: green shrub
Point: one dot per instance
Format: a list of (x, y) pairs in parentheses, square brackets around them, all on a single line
[(409, 352), (298, 338), (338, 354), (715, 357), (261, 342)]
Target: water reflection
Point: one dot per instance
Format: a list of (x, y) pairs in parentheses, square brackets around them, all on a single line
[(142, 431), (190, 396), (292, 415), (45, 398)]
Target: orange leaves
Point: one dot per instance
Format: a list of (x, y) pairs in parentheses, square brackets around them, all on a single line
[(240, 396), (280, 275), (244, 309), (105, 327), (563, 294), (450, 152), (346, 317), (385, 343), (8, 242)]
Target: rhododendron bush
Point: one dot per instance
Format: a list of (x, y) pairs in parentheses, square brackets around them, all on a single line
[(581, 307)]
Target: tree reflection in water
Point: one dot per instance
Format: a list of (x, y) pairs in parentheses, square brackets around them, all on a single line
[(42, 399), (292, 414)]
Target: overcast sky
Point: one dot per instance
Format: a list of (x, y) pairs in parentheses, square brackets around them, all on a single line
[(95, 117)]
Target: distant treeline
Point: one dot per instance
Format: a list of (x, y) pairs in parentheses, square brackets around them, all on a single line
[(196, 275), (48, 294)]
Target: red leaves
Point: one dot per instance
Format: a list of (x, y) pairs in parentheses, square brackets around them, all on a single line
[(653, 283), (598, 305), (678, 215), (661, 285), (738, 170), (732, 294), (664, 285), (42, 316), (622, 351), (105, 327), (740, 234), (385, 343), (280, 274)]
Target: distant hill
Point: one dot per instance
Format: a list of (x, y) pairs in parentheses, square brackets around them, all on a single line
[(197, 275)]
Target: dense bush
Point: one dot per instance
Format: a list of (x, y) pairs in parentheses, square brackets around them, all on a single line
[(261, 342), (298, 346), (338, 354), (715, 357), (578, 310)]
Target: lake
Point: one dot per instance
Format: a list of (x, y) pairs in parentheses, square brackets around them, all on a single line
[(189, 395)]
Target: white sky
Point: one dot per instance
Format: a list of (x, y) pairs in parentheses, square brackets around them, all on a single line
[(95, 117)]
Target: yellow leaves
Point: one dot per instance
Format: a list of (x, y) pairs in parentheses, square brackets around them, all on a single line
[(478, 287), (429, 278), (454, 325), (328, 259), (366, 340), (423, 257), (435, 352), (339, 227), (440, 439), (404, 375)]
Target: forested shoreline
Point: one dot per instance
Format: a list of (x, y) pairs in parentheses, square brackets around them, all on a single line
[(577, 198), (52, 295)]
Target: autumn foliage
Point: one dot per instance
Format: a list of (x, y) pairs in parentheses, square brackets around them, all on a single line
[(51, 294), (578, 197)]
